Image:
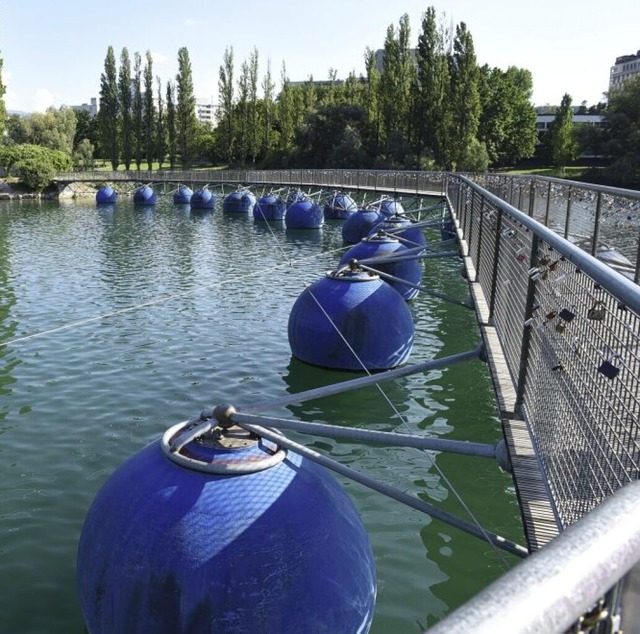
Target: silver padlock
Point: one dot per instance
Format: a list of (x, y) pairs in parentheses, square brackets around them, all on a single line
[(597, 312)]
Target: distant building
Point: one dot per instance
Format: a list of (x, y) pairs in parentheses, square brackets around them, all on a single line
[(91, 108), (625, 67), (543, 121), (206, 111)]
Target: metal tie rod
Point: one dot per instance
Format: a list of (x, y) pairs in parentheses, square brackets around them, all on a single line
[(385, 259), (392, 492), (420, 287), (370, 379), (466, 448)]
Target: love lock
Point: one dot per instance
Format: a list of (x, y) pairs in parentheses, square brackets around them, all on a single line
[(609, 369), (597, 312), (561, 327), (566, 315)]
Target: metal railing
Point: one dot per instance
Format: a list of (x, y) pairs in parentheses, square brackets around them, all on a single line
[(570, 329), (420, 183), (593, 216)]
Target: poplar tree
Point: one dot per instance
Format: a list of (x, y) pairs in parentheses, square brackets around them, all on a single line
[(433, 82), (372, 103), (243, 113), (185, 108), (161, 136), (148, 111), (3, 109), (172, 135), (285, 112), (389, 86), (267, 108), (137, 109), (561, 141), (254, 134), (465, 99), (125, 103), (108, 113), (226, 112)]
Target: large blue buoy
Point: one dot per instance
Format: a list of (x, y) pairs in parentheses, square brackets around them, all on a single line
[(402, 228), (106, 195), (226, 534), (294, 196), (339, 206), (144, 196), (359, 223), (239, 201), (383, 245), (203, 198), (351, 320), (304, 214), (182, 195), (269, 207), (391, 207)]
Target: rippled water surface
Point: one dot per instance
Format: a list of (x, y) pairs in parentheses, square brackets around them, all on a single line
[(118, 322)]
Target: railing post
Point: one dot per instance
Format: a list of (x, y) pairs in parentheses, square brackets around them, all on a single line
[(567, 220), (548, 209), (596, 227), (532, 197), (527, 327), (469, 218), (494, 274), (478, 250)]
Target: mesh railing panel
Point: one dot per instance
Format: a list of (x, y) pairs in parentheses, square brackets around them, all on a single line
[(571, 339)]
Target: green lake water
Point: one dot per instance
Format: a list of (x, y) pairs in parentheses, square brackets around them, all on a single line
[(119, 322)]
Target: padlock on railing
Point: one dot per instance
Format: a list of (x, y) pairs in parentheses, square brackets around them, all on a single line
[(597, 312), (566, 315), (611, 367)]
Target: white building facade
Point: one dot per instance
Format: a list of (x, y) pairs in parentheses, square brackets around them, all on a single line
[(625, 67)]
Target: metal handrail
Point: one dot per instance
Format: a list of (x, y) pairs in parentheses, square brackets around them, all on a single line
[(620, 287)]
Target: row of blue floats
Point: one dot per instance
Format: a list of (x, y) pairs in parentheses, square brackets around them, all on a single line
[(207, 531), (298, 209)]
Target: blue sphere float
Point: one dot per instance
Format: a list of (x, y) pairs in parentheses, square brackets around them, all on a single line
[(339, 206), (106, 195), (391, 207), (203, 198), (239, 201), (223, 533), (269, 207), (144, 196), (294, 196), (351, 320), (359, 223), (304, 214), (402, 228), (182, 195), (382, 245)]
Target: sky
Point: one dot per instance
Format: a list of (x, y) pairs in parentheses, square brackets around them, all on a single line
[(54, 52)]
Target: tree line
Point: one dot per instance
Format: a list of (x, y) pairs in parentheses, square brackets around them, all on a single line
[(426, 107), (430, 106)]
